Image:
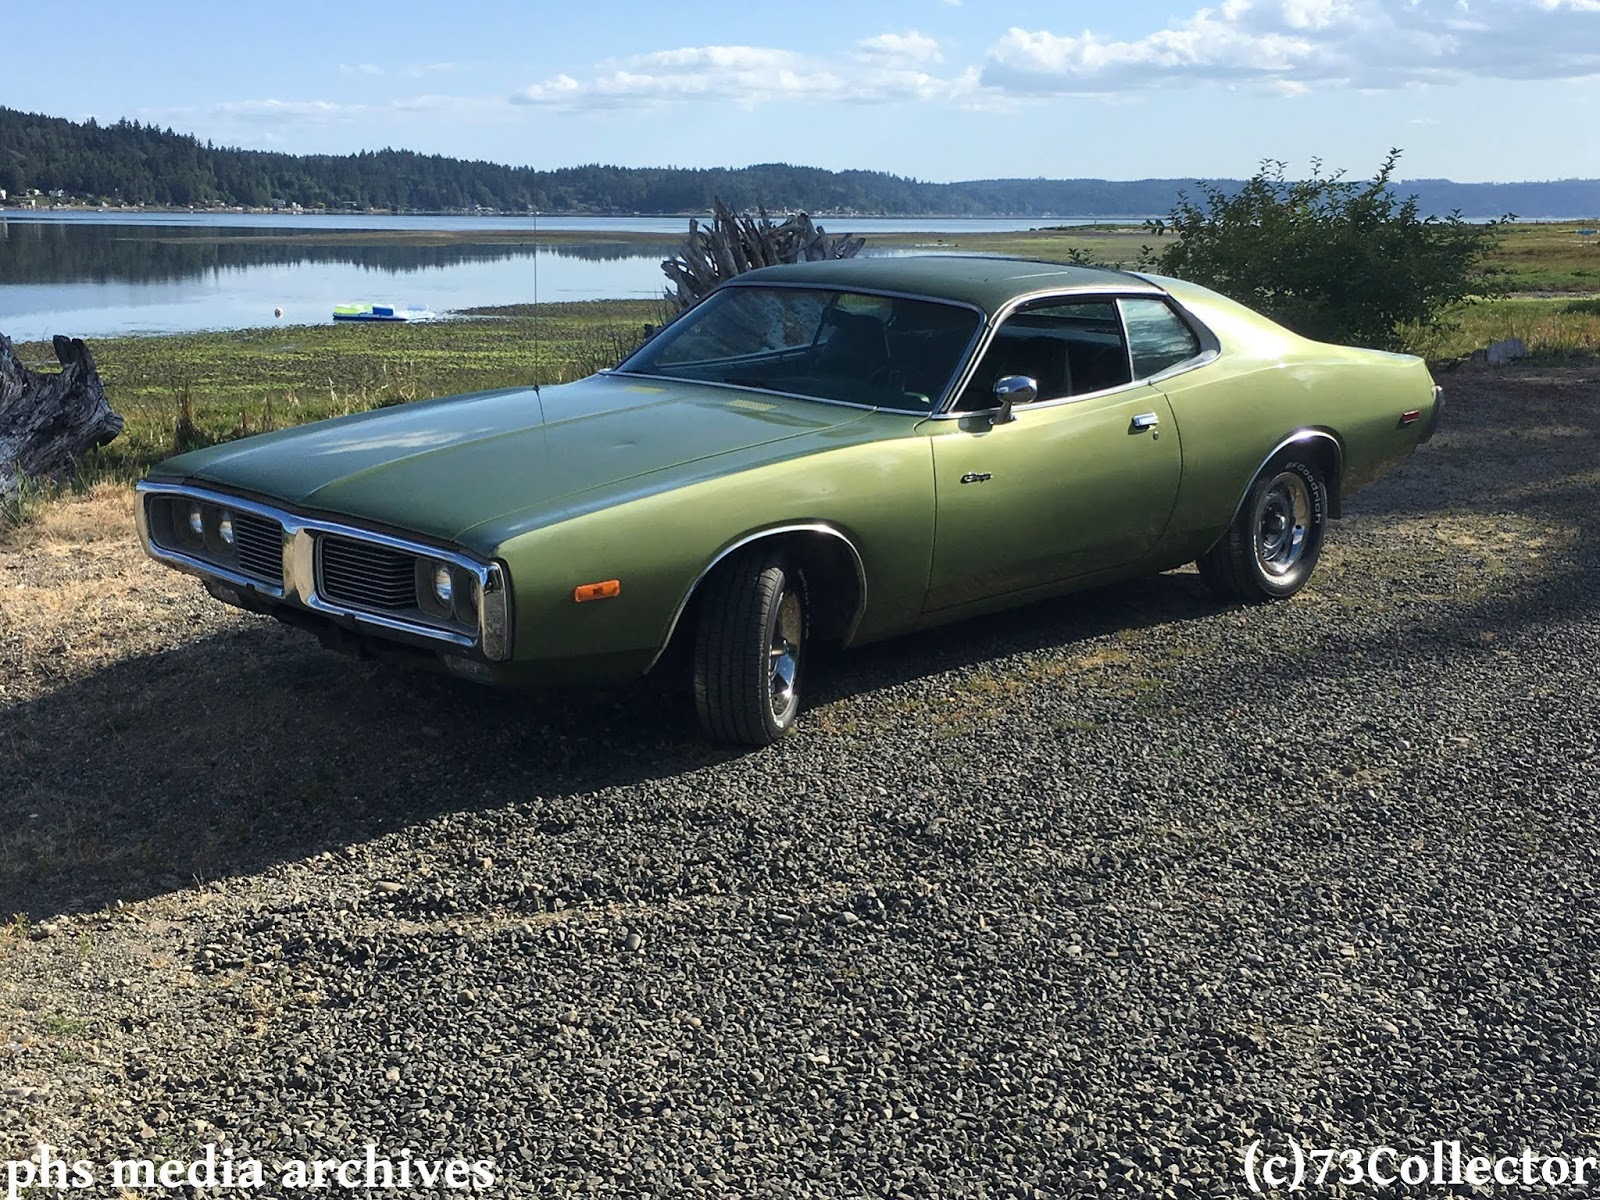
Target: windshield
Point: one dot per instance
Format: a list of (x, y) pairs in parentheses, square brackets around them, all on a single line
[(855, 347)]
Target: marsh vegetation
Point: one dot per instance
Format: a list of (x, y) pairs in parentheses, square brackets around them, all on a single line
[(193, 389)]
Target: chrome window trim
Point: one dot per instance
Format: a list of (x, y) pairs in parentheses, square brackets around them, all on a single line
[(1210, 348), (1202, 359), (748, 539), (300, 568), (935, 403)]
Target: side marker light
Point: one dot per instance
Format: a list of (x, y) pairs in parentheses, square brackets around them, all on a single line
[(586, 592)]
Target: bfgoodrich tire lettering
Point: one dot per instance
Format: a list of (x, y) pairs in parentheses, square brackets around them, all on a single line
[(1275, 540), (750, 648)]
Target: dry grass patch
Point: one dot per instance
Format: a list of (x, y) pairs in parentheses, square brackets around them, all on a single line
[(102, 514), (1109, 656), (1477, 553), (80, 591)]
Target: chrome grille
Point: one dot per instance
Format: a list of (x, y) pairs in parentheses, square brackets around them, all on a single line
[(365, 575), (258, 542)]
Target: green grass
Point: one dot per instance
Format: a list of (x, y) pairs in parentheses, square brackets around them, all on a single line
[(1551, 327), (186, 390), (1111, 245), (1549, 257)]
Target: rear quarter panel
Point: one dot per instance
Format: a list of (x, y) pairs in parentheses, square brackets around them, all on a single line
[(1266, 385)]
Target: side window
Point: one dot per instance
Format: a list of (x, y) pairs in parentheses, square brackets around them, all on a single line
[(1157, 335), (1069, 349)]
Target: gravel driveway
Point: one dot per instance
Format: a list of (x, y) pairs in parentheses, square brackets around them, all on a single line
[(1078, 900)]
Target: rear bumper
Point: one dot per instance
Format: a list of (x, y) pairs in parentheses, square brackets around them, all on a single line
[(1434, 415)]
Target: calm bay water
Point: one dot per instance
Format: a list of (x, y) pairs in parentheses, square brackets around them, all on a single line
[(97, 274)]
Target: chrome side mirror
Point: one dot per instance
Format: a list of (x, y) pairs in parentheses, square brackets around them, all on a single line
[(1010, 390)]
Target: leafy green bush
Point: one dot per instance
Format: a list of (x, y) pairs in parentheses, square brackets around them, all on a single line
[(1334, 260)]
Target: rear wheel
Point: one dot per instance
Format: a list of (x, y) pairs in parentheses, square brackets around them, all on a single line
[(750, 649), (1275, 540)]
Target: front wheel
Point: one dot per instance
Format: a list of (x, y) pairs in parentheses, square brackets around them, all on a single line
[(750, 649), (1273, 544)]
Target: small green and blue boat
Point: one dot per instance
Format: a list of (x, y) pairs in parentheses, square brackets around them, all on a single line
[(381, 312)]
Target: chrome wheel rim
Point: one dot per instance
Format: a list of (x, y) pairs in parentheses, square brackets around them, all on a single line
[(1283, 522), (788, 632)]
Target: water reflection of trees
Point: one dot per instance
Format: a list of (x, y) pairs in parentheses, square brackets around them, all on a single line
[(45, 252)]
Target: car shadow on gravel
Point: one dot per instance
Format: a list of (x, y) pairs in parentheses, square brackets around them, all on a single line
[(252, 747), (1168, 600)]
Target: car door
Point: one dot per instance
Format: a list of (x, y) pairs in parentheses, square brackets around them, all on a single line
[(1081, 480)]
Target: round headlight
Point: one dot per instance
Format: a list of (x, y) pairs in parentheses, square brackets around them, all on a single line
[(225, 527), (197, 523), (443, 586)]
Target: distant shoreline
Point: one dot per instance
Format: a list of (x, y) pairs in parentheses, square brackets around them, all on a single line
[(907, 231), (11, 207)]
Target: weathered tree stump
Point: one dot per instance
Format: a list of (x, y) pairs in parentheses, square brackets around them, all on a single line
[(736, 243), (48, 422)]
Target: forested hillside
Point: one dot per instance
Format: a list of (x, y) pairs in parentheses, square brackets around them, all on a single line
[(131, 163)]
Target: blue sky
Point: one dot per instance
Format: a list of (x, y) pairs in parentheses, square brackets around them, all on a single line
[(938, 89)]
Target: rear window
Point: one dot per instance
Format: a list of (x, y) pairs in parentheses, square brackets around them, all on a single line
[(1157, 336)]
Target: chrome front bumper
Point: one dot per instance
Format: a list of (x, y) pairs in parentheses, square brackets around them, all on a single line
[(299, 589)]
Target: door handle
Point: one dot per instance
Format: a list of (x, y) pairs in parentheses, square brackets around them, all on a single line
[(1145, 421)]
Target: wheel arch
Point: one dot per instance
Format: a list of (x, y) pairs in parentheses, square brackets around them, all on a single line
[(835, 572), (1321, 444)]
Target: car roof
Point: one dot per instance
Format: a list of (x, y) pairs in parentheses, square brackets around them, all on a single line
[(988, 281)]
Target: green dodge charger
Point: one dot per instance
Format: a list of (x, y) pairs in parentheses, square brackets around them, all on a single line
[(828, 452)]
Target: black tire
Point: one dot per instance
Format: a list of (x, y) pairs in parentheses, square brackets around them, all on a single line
[(1275, 540), (749, 651)]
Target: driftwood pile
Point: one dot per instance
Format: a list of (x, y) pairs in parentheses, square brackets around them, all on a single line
[(735, 243), (48, 422)]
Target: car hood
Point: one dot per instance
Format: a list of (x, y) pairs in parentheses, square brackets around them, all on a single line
[(442, 467)]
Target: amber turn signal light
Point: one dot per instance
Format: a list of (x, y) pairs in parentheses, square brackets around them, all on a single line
[(585, 592)]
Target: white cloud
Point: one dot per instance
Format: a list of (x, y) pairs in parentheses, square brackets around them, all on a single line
[(1296, 44), (552, 91), (316, 112), (459, 105), (915, 48), (258, 115), (413, 71), (883, 68)]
